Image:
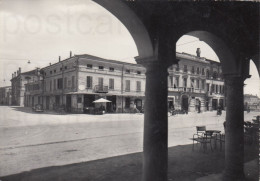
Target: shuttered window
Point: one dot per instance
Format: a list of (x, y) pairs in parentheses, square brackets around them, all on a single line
[(89, 82)]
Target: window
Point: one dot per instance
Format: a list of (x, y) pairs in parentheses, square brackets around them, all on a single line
[(202, 84), (65, 67), (45, 85), (197, 83), (216, 88), (185, 69), (101, 67), (111, 84), (138, 86), (65, 82), (203, 71), (198, 70), (207, 74), (60, 83), (171, 81), (89, 82), (127, 85), (177, 82), (51, 72), (207, 87), (192, 69), (177, 67), (127, 71), (215, 75), (50, 85), (138, 72), (111, 69), (212, 88), (184, 82), (192, 83), (100, 81), (54, 84), (73, 82), (61, 69), (54, 70), (89, 66)]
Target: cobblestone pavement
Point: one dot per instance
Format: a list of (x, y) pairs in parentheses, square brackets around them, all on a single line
[(30, 140)]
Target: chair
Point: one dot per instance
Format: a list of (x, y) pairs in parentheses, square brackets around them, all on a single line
[(221, 139), (203, 137)]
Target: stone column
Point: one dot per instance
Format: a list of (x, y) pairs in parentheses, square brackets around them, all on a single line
[(234, 131), (155, 142)]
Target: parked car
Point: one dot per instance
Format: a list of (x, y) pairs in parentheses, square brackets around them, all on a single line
[(38, 108)]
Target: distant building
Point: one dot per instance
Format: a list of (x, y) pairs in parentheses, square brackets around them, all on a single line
[(251, 102), (195, 83), (18, 80), (5, 95)]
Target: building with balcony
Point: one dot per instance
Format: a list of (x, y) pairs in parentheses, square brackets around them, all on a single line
[(18, 81), (79, 80), (251, 102), (5, 95), (194, 83)]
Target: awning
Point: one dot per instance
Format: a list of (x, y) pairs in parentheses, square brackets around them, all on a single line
[(101, 100)]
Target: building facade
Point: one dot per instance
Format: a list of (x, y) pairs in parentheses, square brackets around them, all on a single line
[(251, 102), (194, 84), (18, 82), (78, 81), (5, 95)]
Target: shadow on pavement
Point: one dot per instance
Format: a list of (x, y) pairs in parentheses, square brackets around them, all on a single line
[(29, 110), (184, 165)]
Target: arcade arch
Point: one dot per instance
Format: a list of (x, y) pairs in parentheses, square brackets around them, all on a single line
[(155, 37)]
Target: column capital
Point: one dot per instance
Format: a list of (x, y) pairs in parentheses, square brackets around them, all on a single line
[(152, 64)]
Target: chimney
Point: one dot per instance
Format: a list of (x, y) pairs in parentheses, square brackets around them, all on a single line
[(59, 58), (70, 54), (198, 52), (12, 75), (20, 70), (15, 74), (50, 64)]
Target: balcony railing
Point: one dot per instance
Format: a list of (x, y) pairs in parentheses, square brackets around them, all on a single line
[(101, 88), (186, 89)]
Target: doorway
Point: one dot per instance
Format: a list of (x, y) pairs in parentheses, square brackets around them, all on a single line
[(47, 102), (214, 104), (111, 106), (138, 103), (185, 103), (68, 103)]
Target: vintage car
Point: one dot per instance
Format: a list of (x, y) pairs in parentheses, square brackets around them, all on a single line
[(38, 108)]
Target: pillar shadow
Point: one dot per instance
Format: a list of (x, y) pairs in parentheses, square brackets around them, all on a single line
[(184, 165)]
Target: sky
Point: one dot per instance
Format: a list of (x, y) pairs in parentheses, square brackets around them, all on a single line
[(43, 30)]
